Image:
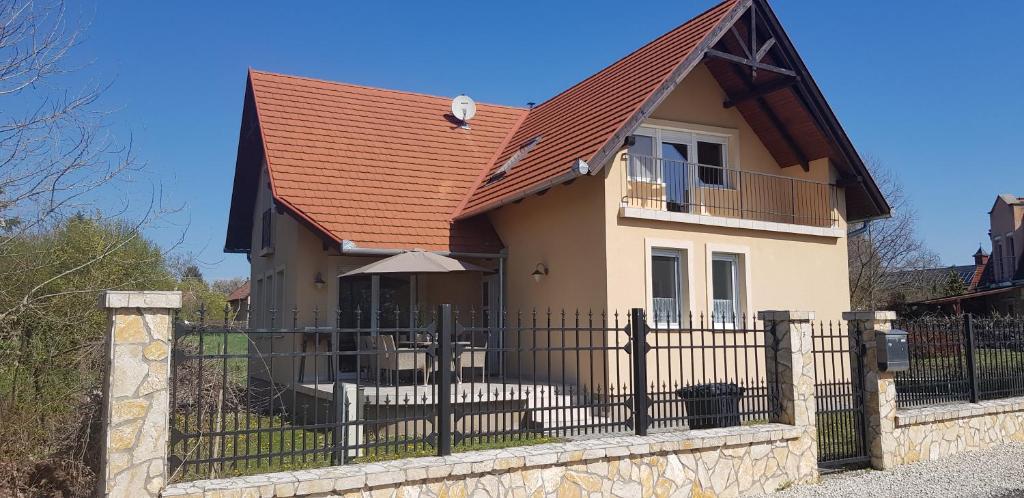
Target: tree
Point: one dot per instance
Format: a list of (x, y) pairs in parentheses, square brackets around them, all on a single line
[(228, 285), (954, 284), (61, 240), (883, 258), (192, 272), (51, 355)]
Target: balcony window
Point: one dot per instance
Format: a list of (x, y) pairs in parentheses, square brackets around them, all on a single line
[(725, 288), (679, 159), (641, 164), (711, 158), (666, 286)]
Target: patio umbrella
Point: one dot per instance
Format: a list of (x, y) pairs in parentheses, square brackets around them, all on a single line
[(415, 261)]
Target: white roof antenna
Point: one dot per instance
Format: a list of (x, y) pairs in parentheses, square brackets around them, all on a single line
[(463, 108)]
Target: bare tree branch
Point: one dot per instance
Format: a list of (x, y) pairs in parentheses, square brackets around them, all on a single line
[(882, 259)]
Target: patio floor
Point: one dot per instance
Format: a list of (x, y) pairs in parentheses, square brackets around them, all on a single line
[(549, 404)]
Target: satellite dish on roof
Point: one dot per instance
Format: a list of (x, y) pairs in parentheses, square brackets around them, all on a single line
[(463, 108)]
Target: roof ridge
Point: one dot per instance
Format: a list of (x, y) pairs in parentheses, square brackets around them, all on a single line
[(378, 88), (626, 56)]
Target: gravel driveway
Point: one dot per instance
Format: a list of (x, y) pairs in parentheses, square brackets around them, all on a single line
[(997, 472)]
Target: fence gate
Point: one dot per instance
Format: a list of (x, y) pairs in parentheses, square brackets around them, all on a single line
[(839, 396)]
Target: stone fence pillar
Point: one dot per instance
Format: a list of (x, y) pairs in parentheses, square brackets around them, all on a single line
[(879, 387), (135, 392), (791, 363)]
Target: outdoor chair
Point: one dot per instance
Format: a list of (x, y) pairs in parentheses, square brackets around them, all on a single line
[(394, 359), (368, 355), (469, 357)]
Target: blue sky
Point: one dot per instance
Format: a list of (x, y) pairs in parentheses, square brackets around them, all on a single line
[(930, 89)]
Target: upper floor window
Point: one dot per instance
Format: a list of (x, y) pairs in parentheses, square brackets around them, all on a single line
[(679, 159), (1011, 257), (266, 231), (997, 259)]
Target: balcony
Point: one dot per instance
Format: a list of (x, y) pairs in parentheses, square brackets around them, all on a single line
[(657, 188)]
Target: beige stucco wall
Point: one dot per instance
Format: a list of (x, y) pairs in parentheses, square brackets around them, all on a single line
[(564, 230), (1006, 223), (778, 270)]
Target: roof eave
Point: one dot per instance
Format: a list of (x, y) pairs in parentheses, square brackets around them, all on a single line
[(810, 89), (614, 144), (518, 196)]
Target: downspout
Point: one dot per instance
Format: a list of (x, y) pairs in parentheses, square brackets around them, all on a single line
[(863, 228), (501, 308)]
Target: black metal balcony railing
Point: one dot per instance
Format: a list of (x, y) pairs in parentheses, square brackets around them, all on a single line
[(665, 185)]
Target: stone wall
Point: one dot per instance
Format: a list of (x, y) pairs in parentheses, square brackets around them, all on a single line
[(715, 462), (136, 393), (935, 432)]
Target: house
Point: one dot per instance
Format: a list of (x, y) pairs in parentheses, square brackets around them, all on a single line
[(702, 175), (998, 283), (238, 301)]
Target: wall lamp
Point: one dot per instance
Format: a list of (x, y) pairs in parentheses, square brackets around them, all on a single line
[(318, 280), (540, 272)]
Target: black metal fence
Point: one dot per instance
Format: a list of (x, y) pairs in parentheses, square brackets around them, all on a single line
[(292, 397), (708, 372), (839, 395), (962, 358)]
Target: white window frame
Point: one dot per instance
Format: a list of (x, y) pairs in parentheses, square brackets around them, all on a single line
[(675, 254), (661, 133), (744, 288), (684, 250), (737, 313)]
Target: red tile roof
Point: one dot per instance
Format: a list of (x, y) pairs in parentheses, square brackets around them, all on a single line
[(578, 122), (386, 169), (240, 293), (380, 168)]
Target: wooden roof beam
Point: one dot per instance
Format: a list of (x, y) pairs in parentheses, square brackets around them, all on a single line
[(760, 91), (776, 122), (749, 62)]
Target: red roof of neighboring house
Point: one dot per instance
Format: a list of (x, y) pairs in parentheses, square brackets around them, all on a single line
[(240, 293), (578, 122), (380, 168)]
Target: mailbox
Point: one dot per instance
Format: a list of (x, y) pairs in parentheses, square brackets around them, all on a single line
[(892, 350)]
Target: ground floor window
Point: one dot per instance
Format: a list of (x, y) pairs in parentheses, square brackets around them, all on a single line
[(666, 286), (725, 288)]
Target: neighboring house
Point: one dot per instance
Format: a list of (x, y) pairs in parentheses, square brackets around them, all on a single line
[(702, 174), (238, 300), (999, 282), (909, 288)]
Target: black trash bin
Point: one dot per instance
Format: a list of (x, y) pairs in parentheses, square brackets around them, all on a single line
[(712, 405)]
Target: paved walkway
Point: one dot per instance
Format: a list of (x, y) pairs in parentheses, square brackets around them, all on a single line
[(998, 472)]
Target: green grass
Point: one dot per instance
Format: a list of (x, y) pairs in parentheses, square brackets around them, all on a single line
[(985, 359), (273, 436), (837, 432), (269, 451), (213, 346)]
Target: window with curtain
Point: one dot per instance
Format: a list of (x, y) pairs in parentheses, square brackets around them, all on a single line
[(666, 287), (725, 289)]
